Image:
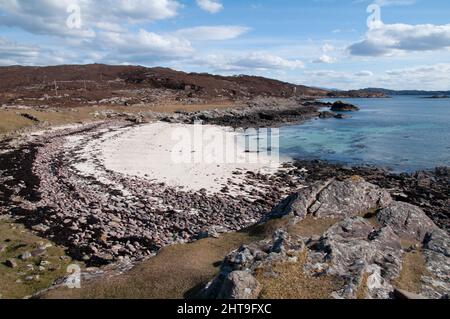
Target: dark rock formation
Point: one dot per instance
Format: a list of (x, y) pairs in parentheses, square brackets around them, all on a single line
[(340, 106)]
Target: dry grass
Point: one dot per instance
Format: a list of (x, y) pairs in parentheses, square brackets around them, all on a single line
[(13, 283), (11, 120), (363, 289), (414, 267), (311, 226), (287, 280), (176, 272)]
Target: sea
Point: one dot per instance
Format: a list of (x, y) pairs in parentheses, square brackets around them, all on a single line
[(401, 133)]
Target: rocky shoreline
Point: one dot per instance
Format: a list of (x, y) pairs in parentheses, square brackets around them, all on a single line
[(105, 217)]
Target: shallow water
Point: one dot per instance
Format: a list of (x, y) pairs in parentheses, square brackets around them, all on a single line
[(403, 133)]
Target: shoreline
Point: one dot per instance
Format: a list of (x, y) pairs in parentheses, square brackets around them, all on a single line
[(104, 216)]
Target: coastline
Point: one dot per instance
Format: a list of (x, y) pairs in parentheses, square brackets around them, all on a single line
[(132, 212)]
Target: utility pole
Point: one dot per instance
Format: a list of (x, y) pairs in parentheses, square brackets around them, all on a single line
[(56, 89)]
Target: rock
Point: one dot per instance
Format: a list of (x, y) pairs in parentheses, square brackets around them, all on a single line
[(26, 255), (406, 220), (11, 263), (38, 252), (436, 253), (3, 248), (340, 106), (239, 285), (342, 116), (352, 250), (334, 199), (40, 228), (30, 117), (438, 241), (298, 203), (327, 115)]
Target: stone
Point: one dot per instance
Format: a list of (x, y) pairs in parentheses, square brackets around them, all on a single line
[(406, 220), (40, 228), (340, 106), (11, 263), (334, 199), (26, 255), (3, 248), (239, 285)]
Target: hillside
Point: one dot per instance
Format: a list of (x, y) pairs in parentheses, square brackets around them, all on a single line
[(98, 79), (77, 85)]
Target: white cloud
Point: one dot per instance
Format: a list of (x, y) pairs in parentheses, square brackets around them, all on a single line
[(325, 59), (211, 6), (50, 16), (205, 33), (363, 73), (255, 61), (145, 45), (13, 53), (389, 39)]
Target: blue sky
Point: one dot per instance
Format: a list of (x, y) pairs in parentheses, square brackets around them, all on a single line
[(324, 43)]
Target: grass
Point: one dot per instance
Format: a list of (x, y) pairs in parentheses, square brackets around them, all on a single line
[(179, 271), (311, 226), (11, 120), (13, 283), (176, 272), (414, 267), (287, 280), (363, 289)]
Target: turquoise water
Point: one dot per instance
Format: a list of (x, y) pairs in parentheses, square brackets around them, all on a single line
[(403, 133)]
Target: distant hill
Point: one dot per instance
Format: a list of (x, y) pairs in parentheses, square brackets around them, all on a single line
[(196, 84), (403, 92)]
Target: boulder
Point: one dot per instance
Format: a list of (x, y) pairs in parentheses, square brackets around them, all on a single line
[(327, 115), (240, 285), (363, 257), (406, 220), (334, 199), (11, 263), (340, 106)]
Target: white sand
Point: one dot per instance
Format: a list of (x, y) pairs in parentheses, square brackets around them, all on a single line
[(179, 157)]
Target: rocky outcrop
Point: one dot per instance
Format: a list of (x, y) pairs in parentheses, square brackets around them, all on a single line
[(334, 199), (406, 220), (365, 253), (260, 112), (340, 106)]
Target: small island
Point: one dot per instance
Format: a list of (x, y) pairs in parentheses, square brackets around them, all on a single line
[(437, 97)]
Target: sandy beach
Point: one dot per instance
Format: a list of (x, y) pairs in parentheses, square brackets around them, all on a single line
[(183, 156)]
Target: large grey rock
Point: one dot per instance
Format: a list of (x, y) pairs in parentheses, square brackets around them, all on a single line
[(298, 204), (354, 251), (334, 199), (240, 264), (349, 198), (240, 285), (406, 220), (436, 284)]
